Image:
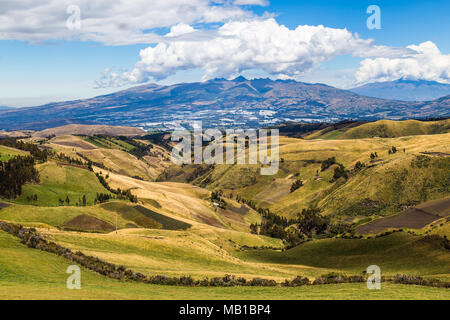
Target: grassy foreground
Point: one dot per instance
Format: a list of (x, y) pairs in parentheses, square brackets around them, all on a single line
[(32, 274)]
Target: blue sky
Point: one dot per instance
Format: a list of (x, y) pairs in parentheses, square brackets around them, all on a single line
[(38, 65)]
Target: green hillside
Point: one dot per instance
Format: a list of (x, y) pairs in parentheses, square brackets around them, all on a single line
[(395, 253), (58, 181), (7, 153), (32, 274), (56, 216), (386, 129)]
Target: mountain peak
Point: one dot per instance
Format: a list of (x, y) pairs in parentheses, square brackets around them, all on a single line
[(239, 79), (417, 81)]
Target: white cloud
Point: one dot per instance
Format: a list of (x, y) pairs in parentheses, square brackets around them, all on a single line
[(427, 63), (179, 30), (109, 78), (254, 44), (113, 22)]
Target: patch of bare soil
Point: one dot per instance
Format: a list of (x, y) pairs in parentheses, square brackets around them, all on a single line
[(439, 207), (88, 223), (209, 220), (230, 214), (414, 218), (242, 210)]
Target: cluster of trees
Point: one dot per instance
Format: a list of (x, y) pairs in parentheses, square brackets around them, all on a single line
[(103, 182), (359, 165), (121, 194), (328, 163), (308, 223), (14, 174), (392, 150), (64, 158), (61, 201), (249, 203), (297, 184), (140, 150), (82, 201), (340, 172), (38, 154), (90, 163), (276, 226), (102, 197), (373, 156), (216, 197), (158, 138), (126, 194)]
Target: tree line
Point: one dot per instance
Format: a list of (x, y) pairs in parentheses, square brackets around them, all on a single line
[(15, 173), (34, 150), (307, 224)]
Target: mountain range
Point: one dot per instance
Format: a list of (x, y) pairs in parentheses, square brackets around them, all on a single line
[(406, 90), (220, 103)]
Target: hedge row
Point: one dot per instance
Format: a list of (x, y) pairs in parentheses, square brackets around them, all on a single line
[(31, 238), (406, 279)]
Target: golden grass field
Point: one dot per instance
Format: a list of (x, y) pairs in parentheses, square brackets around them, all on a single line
[(114, 158), (272, 191), (212, 242)]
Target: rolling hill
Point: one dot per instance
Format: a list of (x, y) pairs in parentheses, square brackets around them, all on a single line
[(380, 129), (114, 154), (90, 130), (417, 172)]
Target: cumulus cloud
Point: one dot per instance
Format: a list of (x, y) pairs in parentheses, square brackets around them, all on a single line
[(180, 29), (426, 63), (109, 78), (113, 22), (253, 44)]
